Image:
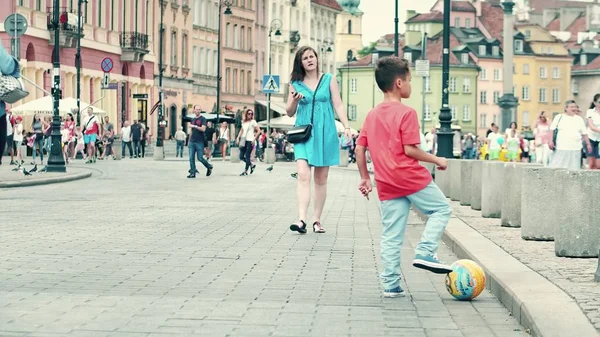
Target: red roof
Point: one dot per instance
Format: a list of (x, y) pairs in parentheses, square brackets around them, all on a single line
[(435, 47), (333, 4), (554, 25), (434, 16), (577, 26), (492, 18), (594, 65), (462, 6)]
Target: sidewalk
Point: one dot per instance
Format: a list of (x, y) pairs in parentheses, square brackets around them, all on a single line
[(151, 253), (11, 179)]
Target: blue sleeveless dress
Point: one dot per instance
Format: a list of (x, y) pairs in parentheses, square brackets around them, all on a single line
[(323, 147)]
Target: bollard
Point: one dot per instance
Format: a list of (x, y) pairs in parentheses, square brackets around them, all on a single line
[(577, 233), (234, 155), (466, 167), (492, 188), (117, 148), (442, 179), (270, 155), (344, 158), (511, 198), (455, 180), (539, 203), (597, 275), (476, 167)]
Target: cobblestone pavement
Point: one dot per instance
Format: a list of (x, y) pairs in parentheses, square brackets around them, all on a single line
[(139, 250), (574, 276)]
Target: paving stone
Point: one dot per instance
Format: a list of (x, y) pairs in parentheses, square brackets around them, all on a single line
[(233, 269)]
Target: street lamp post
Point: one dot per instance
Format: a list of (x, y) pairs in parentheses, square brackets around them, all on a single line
[(56, 161), (159, 151), (78, 58), (349, 57), (227, 4), (445, 134), (508, 102), (274, 29), (325, 49), (396, 30)]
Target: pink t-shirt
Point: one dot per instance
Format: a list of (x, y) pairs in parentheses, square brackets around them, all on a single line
[(387, 128), (543, 134)]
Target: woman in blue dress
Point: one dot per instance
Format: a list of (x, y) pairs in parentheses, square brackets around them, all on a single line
[(322, 149)]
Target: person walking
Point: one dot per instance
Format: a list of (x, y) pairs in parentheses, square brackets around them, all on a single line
[(570, 130), (246, 138), (224, 138), (91, 130), (543, 136), (593, 125), (315, 99), (180, 137), (391, 134), (196, 143)]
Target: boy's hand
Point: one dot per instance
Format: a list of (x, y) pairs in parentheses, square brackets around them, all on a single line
[(441, 163), (365, 187)]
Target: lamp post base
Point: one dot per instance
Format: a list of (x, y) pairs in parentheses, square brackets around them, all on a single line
[(159, 153), (508, 104), (445, 135)]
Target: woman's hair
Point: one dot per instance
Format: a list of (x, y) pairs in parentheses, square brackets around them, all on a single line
[(246, 114), (71, 116), (298, 72), (593, 105), (511, 124)]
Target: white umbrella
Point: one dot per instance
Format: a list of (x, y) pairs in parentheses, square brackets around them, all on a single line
[(340, 128), (283, 122), (45, 105)]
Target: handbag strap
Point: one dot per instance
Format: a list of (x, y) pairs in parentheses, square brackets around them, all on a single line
[(312, 114)]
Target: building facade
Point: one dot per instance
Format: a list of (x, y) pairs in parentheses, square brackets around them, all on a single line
[(112, 29), (348, 35), (323, 34)]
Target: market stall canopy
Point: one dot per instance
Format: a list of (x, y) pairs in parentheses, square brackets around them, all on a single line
[(45, 106), (274, 106), (283, 122)]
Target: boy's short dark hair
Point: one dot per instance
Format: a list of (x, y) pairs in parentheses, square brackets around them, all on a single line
[(388, 69)]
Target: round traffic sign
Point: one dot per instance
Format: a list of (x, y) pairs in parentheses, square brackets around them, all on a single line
[(15, 25), (106, 64)]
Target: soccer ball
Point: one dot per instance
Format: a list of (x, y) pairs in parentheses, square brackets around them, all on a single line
[(466, 281)]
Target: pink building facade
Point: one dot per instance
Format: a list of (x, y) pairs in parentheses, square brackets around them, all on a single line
[(119, 32)]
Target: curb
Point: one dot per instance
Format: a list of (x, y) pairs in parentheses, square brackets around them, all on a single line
[(46, 181), (535, 302)]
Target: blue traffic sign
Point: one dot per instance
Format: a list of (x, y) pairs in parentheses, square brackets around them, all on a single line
[(270, 84), (106, 64)]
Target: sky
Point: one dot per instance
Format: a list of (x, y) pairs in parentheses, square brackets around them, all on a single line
[(378, 19)]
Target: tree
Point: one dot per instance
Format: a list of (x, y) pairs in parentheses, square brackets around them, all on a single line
[(367, 49)]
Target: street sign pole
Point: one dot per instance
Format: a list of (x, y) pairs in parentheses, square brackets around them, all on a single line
[(423, 57)]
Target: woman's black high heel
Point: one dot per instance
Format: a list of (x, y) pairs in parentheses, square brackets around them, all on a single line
[(299, 229)]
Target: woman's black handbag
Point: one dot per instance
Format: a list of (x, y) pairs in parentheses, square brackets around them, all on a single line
[(301, 133)]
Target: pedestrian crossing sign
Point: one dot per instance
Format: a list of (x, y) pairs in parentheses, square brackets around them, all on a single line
[(270, 84)]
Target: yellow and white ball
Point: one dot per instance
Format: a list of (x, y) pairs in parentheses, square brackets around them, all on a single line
[(466, 281)]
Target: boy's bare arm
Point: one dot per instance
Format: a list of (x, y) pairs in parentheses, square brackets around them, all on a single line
[(361, 162), (415, 152)]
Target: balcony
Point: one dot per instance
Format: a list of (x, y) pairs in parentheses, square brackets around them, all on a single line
[(175, 4), (134, 46), (67, 27), (186, 8)]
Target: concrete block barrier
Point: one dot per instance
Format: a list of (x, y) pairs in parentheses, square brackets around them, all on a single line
[(344, 158), (465, 182), (492, 188), (476, 167), (577, 233), (539, 203), (455, 181), (511, 199), (442, 179), (234, 155)]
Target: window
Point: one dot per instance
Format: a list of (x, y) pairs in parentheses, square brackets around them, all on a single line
[(38, 5), (518, 46), (201, 61), (526, 69), (349, 27), (550, 51), (526, 118), (583, 60), (527, 34), (228, 34), (556, 72), (482, 120), (555, 95), (543, 72), (353, 85), (452, 84), (464, 58), (352, 112), (483, 97), (482, 50), (467, 23), (250, 79), (236, 37), (453, 110), (207, 62), (543, 95), (466, 85), (195, 63), (407, 56), (496, 50), (184, 61), (234, 81), (242, 82), (100, 14), (216, 63), (484, 74), (466, 113), (496, 96), (574, 86), (495, 119), (496, 74), (249, 37), (173, 48), (242, 38), (427, 112), (456, 22), (525, 93), (227, 80), (427, 84)]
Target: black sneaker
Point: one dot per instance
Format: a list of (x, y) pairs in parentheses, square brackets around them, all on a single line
[(252, 169), (209, 172), (12, 162), (191, 176), (243, 174)]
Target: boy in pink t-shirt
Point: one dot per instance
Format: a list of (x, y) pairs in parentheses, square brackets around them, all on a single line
[(391, 134)]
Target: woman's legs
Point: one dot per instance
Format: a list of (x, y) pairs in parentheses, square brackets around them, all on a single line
[(249, 150), (303, 189), (321, 174), (3, 131)]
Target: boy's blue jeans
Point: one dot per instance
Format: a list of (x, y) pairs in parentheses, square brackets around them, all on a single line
[(394, 214)]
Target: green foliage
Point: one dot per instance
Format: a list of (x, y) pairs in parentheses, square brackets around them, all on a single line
[(367, 49)]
